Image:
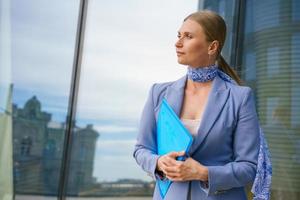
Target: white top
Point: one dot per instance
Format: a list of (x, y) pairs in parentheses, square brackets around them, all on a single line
[(192, 125)]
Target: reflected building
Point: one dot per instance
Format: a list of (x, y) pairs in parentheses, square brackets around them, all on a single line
[(82, 160), (38, 150), (268, 45)]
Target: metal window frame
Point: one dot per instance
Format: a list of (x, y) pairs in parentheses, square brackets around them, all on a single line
[(70, 120), (237, 50)]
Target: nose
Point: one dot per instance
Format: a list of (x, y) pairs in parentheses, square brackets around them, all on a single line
[(179, 43)]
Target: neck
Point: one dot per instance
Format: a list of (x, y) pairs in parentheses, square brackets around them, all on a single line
[(201, 66), (194, 87)]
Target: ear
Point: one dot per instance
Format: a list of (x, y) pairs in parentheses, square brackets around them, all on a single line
[(213, 47)]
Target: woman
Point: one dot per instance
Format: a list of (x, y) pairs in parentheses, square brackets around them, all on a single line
[(218, 112)]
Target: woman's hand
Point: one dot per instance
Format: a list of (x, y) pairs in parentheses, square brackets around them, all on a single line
[(168, 160), (186, 170)]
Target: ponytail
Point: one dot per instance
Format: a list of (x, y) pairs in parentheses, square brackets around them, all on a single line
[(223, 66)]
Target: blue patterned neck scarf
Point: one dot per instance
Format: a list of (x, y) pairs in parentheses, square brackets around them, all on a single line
[(202, 74)]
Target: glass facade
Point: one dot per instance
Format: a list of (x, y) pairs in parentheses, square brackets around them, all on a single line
[(268, 44), (127, 46), (228, 10), (71, 98), (42, 50), (6, 169)]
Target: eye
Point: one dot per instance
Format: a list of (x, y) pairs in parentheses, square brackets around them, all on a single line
[(178, 35), (189, 36)]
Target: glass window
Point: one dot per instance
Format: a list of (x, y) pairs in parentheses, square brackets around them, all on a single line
[(272, 103), (266, 14), (273, 64), (295, 10), (129, 45), (295, 115), (6, 166), (227, 9), (250, 67), (277, 73), (249, 26), (43, 40)]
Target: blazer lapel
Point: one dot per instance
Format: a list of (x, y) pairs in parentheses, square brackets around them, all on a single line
[(175, 93), (215, 103)]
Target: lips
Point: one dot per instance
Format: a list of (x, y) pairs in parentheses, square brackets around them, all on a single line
[(180, 53)]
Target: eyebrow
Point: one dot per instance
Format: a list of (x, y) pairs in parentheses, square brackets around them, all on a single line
[(184, 32)]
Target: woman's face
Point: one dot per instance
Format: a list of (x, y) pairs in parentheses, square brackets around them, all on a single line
[(191, 47)]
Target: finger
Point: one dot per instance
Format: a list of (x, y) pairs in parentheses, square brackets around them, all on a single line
[(162, 167), (164, 159), (172, 174), (176, 154), (175, 178), (171, 170), (170, 162)]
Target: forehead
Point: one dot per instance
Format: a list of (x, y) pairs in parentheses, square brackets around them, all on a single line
[(191, 26)]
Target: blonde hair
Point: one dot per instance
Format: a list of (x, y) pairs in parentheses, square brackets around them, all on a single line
[(215, 29)]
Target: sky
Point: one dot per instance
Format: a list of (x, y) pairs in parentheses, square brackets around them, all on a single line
[(128, 46)]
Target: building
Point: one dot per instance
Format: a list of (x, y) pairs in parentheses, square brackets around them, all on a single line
[(264, 46), (38, 150)]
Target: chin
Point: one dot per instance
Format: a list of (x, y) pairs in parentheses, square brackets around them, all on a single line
[(181, 62)]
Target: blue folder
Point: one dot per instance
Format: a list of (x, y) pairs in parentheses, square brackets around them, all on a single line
[(171, 136)]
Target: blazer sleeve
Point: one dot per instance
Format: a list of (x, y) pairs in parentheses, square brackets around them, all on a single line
[(145, 152), (242, 170)]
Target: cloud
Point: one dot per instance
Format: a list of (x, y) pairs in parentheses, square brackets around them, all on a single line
[(116, 157), (113, 128), (43, 40), (115, 147), (118, 168)]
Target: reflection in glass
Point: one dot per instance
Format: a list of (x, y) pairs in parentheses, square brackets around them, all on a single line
[(128, 46), (6, 167), (296, 13), (273, 61), (266, 14), (43, 40), (249, 67), (227, 9), (271, 66), (269, 35)]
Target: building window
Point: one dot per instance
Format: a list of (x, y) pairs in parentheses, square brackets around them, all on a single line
[(250, 66), (266, 14), (273, 61), (26, 144), (295, 10), (295, 113), (271, 66)]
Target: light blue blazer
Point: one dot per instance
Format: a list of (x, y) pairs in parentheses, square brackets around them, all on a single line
[(227, 141)]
